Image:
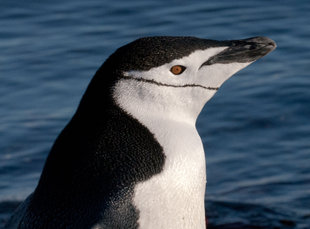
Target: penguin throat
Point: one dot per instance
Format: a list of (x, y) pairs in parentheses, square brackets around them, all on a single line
[(151, 101)]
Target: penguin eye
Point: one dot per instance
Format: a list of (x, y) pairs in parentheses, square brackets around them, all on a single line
[(177, 69)]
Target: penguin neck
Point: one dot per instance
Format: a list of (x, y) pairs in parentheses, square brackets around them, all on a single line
[(169, 116), (172, 123)]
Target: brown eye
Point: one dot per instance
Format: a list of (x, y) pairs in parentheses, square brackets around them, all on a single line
[(177, 69)]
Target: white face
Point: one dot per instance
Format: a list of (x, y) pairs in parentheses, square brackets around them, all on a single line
[(181, 96)]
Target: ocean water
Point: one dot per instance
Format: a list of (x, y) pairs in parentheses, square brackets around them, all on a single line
[(255, 130)]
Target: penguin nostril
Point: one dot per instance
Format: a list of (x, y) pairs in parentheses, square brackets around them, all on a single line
[(254, 46)]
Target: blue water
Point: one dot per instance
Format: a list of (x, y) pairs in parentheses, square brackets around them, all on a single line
[(256, 129)]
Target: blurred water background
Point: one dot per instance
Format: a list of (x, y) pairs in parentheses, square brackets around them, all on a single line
[(256, 129)]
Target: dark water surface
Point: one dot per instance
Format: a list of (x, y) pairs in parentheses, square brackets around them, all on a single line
[(256, 130)]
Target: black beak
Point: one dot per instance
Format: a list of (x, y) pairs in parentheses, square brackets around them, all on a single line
[(243, 51)]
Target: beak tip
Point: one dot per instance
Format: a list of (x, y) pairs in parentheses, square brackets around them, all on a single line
[(264, 41)]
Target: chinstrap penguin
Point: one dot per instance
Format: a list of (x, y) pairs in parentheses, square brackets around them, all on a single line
[(131, 156)]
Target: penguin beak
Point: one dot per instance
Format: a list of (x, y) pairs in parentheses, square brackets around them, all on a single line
[(243, 51)]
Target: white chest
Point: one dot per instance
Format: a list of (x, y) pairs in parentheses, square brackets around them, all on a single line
[(175, 197)]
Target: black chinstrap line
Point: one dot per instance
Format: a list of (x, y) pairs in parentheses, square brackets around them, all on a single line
[(168, 85)]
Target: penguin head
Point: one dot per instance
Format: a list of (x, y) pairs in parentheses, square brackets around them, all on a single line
[(176, 76)]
